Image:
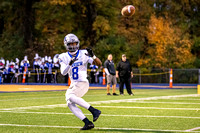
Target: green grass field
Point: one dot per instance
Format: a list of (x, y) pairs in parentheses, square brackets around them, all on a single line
[(165, 110)]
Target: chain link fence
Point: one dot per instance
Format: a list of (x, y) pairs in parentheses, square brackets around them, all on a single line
[(189, 76)]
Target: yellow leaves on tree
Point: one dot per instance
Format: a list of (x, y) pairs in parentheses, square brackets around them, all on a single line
[(168, 46), (101, 26), (62, 2)]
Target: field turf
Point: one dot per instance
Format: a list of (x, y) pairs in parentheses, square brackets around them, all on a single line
[(149, 110)]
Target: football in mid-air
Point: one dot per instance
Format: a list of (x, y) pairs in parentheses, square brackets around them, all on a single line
[(128, 10)]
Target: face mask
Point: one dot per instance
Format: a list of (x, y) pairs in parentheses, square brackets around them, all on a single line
[(73, 53)]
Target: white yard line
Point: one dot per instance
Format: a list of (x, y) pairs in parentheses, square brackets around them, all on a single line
[(141, 99), (189, 130), (108, 101), (123, 107), (98, 128), (128, 107), (107, 115), (36, 107), (164, 102), (185, 99), (29, 99)]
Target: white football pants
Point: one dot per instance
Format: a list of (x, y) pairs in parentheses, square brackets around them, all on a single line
[(73, 96)]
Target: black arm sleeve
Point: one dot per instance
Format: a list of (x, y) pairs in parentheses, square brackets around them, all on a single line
[(118, 67), (106, 64), (130, 66)]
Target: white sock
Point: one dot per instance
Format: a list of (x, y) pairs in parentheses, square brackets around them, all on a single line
[(77, 100), (76, 111)]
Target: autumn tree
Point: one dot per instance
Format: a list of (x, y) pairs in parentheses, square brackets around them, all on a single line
[(134, 28), (30, 26), (168, 46), (89, 20)]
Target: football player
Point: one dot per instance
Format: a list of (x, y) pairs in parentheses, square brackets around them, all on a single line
[(74, 62)]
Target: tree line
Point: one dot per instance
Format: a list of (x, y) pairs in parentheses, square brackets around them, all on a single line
[(161, 33)]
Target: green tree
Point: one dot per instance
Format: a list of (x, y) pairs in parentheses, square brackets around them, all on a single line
[(17, 27)]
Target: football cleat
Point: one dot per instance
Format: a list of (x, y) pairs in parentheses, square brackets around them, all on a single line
[(88, 126), (96, 114)]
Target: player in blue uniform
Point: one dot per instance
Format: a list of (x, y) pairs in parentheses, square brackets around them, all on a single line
[(74, 62)]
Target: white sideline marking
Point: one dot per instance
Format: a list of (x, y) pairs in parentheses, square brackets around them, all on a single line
[(100, 102), (101, 128), (152, 116), (189, 130)]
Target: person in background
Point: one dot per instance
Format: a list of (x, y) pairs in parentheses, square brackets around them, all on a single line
[(5, 72), (36, 68), (2, 67), (46, 64), (2, 64), (11, 72), (43, 71), (24, 65), (124, 73), (111, 75), (99, 74), (16, 65), (56, 67), (17, 72), (92, 73), (48, 69)]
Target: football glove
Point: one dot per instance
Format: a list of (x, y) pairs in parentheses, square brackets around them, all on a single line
[(90, 52), (72, 60)]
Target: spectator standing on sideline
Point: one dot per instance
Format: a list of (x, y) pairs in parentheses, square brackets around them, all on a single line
[(11, 71), (2, 64), (56, 67), (43, 71), (92, 73), (2, 67), (5, 72), (111, 75), (48, 67), (36, 68), (17, 72), (99, 74), (124, 72), (24, 65)]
